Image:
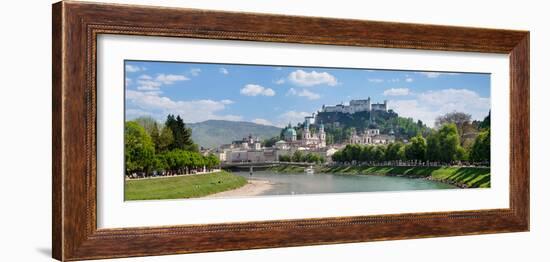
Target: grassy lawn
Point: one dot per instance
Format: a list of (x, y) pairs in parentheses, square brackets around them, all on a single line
[(182, 186), (471, 176)]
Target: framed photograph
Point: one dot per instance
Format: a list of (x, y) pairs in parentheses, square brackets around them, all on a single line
[(182, 130)]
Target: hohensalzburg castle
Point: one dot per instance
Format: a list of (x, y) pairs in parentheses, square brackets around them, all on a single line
[(356, 106)]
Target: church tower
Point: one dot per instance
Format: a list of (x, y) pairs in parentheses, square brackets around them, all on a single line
[(322, 136), (306, 134)]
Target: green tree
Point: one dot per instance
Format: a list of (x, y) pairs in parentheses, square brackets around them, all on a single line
[(352, 152), (270, 142), (481, 150), (337, 156), (449, 142), (401, 153), (139, 149), (297, 156), (212, 161), (312, 158), (165, 140), (416, 150), (378, 153), (155, 135), (284, 158), (366, 153), (181, 134), (159, 163), (392, 151), (433, 149), (462, 121), (461, 154), (148, 123), (486, 123)]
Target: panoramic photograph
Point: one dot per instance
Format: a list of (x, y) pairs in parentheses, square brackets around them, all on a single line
[(207, 130)]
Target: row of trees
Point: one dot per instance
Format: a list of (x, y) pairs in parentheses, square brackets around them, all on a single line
[(166, 150), (301, 157), (442, 146)]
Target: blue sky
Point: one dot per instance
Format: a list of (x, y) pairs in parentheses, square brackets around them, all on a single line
[(276, 95)]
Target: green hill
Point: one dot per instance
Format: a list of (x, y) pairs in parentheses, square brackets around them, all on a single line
[(338, 125), (212, 133)]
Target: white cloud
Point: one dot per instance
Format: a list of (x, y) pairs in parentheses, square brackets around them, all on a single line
[(434, 74), (262, 121), (303, 93), (310, 95), (256, 90), (148, 83), (292, 92), (409, 79), (145, 84), (376, 80), (135, 113), (463, 100), (413, 109), (303, 78), (170, 79), (195, 71), (227, 102), (227, 117), (280, 81), (291, 117), (192, 111), (431, 104), (127, 81), (224, 71), (397, 92), (380, 80), (133, 69)]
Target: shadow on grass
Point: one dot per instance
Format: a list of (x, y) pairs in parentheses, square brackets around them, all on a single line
[(474, 177), (471, 176)]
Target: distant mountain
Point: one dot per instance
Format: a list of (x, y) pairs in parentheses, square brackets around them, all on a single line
[(212, 133)]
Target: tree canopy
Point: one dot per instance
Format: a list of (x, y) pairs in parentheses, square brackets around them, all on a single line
[(442, 146), (149, 149), (139, 150), (181, 134), (481, 150)]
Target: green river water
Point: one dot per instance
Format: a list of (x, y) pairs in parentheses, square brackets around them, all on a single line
[(302, 183)]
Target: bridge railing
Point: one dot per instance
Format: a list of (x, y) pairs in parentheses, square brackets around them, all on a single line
[(266, 163)]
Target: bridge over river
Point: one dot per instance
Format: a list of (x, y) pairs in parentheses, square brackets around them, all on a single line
[(261, 165)]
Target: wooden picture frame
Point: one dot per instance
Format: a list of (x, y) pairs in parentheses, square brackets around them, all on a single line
[(76, 26)]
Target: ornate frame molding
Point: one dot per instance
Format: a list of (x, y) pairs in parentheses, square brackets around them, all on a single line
[(76, 26)]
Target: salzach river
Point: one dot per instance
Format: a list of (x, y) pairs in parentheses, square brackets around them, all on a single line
[(302, 183)]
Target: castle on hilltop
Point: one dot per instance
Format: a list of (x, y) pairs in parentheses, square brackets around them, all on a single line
[(356, 106)]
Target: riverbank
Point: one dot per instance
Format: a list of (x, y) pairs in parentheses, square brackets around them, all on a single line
[(282, 168), (252, 188), (464, 177), (182, 186)]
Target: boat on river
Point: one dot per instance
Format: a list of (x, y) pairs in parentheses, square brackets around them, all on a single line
[(309, 170)]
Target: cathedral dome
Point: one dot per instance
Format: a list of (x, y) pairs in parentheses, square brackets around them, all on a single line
[(289, 133)]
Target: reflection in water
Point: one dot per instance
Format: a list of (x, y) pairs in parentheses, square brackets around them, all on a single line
[(301, 183)]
